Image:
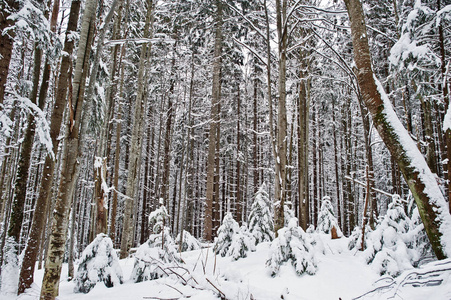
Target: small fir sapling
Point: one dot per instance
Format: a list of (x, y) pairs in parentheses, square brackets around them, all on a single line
[(261, 224), (326, 218), (389, 246), (292, 245), (355, 239), (288, 213), (157, 252), (226, 231), (189, 242), (242, 242), (98, 263), (10, 270)]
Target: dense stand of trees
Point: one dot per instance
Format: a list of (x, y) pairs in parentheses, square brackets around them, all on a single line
[(110, 108)]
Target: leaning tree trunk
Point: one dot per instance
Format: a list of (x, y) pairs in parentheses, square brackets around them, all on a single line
[(214, 124), (70, 159), (136, 141), (431, 204), (39, 217)]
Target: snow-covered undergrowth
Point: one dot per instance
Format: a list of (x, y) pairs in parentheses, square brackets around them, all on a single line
[(340, 273), (152, 257), (189, 242), (295, 246), (98, 263), (396, 244), (233, 240)]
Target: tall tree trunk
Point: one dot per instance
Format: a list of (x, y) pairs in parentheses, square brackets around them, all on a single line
[(136, 142), (42, 202), (168, 133), (255, 138), (70, 165), (118, 148), (337, 180), (214, 124), (7, 8), (281, 149), (20, 189), (239, 204), (432, 206)]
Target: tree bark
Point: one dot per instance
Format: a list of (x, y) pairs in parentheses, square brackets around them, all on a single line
[(431, 204), (136, 140), (281, 148), (42, 202), (214, 124), (70, 164), (7, 7)]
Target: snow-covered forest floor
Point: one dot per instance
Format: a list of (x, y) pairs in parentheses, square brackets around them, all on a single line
[(341, 273)]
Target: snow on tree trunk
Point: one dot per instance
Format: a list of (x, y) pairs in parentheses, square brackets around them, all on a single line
[(431, 204), (98, 263), (136, 140), (70, 159), (292, 245)]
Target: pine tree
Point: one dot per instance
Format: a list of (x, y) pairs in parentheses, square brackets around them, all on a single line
[(261, 224), (389, 246), (226, 232), (326, 218), (189, 242), (292, 245), (98, 263), (154, 255)]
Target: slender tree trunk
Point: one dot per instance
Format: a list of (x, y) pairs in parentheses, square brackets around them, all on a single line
[(7, 7), (135, 146), (70, 165), (431, 204), (214, 124), (337, 180), (255, 138), (239, 204), (281, 150), (42, 202)]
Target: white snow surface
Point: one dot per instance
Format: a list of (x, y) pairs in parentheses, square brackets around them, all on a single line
[(341, 273)]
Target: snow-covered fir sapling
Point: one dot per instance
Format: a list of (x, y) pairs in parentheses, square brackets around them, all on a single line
[(242, 242), (288, 213), (226, 231), (327, 221), (355, 239), (294, 246), (189, 242), (98, 263), (416, 237), (157, 252), (261, 224), (10, 271), (158, 218), (389, 245)]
